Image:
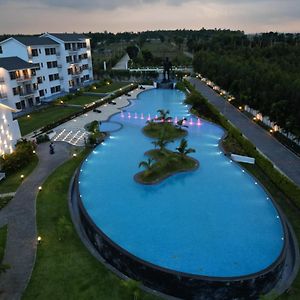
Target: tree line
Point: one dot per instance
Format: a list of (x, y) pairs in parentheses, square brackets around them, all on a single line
[(261, 71)]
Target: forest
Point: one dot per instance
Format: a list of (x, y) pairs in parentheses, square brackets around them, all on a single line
[(261, 71)]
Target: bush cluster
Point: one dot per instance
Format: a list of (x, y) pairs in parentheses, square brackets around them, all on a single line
[(21, 157)]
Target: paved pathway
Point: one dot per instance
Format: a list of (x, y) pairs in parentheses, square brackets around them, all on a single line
[(20, 215), (283, 158), (122, 64)]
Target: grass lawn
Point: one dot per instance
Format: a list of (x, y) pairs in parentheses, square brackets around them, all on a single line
[(44, 117), (11, 182), (64, 268), (110, 87), (82, 100)]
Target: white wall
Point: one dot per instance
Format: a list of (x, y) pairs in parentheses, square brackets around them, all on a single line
[(11, 47), (9, 130)]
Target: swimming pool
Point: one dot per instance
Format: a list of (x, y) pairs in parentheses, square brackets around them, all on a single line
[(216, 221)]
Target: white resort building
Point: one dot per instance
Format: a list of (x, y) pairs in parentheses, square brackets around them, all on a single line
[(39, 69), (63, 63)]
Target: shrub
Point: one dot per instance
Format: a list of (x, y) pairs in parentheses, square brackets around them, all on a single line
[(21, 157)]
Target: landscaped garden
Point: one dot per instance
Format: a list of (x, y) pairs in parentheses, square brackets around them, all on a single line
[(64, 267), (162, 162), (45, 116)]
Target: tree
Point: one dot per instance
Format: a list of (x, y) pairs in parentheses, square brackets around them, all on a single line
[(147, 164), (163, 115), (147, 56), (180, 123), (132, 51), (183, 148)]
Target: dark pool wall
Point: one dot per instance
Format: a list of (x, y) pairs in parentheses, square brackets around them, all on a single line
[(174, 283)]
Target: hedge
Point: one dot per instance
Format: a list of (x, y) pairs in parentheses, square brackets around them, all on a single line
[(281, 181)]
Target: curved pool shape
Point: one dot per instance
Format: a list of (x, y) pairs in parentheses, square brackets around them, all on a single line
[(216, 221), (110, 126)]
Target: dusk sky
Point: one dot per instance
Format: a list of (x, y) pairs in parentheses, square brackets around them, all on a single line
[(36, 16)]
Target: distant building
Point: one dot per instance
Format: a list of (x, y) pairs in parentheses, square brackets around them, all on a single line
[(63, 63)]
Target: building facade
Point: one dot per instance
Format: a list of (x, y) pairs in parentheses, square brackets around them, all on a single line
[(9, 128), (63, 63)]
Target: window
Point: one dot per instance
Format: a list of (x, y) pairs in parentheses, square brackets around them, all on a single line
[(33, 72), (34, 52), (15, 91), (42, 93), (50, 51), (1, 51), (12, 75), (53, 77), (68, 59), (67, 46), (37, 100), (42, 65), (40, 79), (18, 105), (51, 64), (69, 71), (55, 89), (40, 51)]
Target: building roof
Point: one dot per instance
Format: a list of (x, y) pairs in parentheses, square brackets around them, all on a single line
[(15, 63), (69, 37), (34, 40)]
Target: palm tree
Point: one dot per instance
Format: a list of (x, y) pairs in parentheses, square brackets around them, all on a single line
[(163, 115), (180, 124), (161, 143), (183, 148), (147, 164)]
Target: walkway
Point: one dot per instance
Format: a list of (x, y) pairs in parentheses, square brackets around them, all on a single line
[(122, 64), (20, 215), (73, 131), (283, 158)]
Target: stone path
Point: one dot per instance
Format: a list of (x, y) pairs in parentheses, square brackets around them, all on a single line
[(20, 215), (285, 160)]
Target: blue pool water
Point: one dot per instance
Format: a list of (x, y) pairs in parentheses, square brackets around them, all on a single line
[(215, 221)]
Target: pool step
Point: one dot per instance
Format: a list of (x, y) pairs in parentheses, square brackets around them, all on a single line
[(73, 137)]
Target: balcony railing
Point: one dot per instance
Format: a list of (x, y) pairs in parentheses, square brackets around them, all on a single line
[(24, 78), (72, 50), (27, 93)]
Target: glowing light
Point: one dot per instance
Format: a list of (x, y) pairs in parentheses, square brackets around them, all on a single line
[(22, 176), (142, 116), (61, 102), (33, 151), (271, 130), (39, 239), (149, 117), (40, 188), (135, 115), (74, 154), (122, 114), (198, 122), (240, 107), (28, 116), (191, 122), (129, 115)]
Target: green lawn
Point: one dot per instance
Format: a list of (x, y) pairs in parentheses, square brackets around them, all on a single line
[(110, 87), (64, 268), (11, 182), (44, 117), (82, 100)]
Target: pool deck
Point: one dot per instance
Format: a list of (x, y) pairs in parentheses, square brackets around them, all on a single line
[(75, 128), (284, 159)]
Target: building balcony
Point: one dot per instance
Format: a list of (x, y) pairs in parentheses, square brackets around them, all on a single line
[(73, 50), (27, 94), (24, 78)]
